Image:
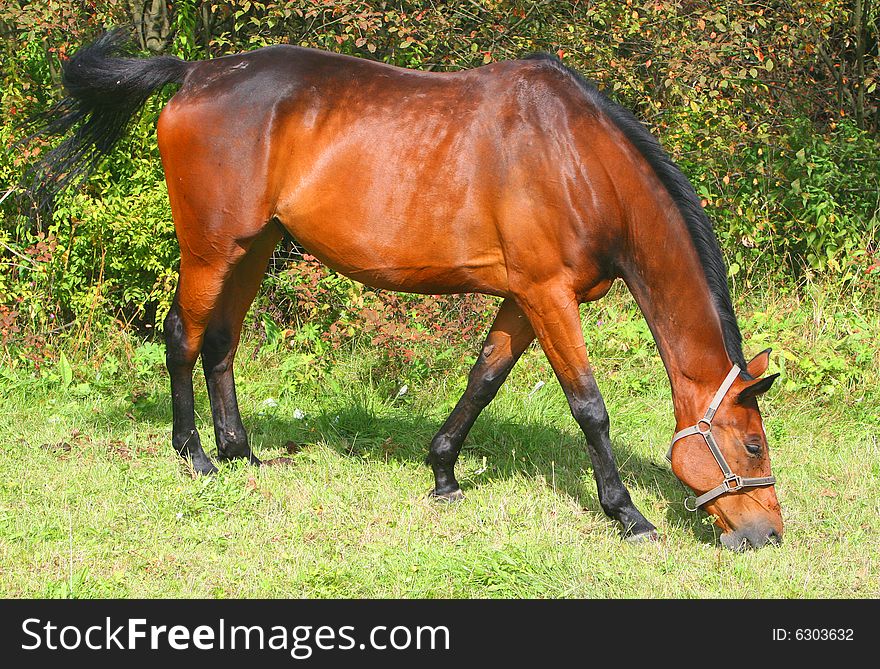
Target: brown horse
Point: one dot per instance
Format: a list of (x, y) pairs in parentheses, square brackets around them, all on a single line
[(517, 179)]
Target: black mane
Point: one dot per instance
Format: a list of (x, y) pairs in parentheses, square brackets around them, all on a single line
[(682, 192)]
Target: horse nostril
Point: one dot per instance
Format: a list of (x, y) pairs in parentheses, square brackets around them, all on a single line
[(774, 537)]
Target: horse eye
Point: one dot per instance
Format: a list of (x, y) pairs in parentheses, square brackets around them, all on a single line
[(754, 449)]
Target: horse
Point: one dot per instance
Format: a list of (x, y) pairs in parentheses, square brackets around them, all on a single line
[(518, 179)]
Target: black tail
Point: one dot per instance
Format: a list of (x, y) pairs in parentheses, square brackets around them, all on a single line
[(104, 92)]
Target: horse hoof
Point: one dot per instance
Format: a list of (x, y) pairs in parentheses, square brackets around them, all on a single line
[(232, 457), (203, 468), (650, 536), (452, 496)]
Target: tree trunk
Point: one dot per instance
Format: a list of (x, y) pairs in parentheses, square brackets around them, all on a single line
[(137, 18), (151, 23), (861, 29), (206, 25)]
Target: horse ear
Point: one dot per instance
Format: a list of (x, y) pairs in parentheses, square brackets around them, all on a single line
[(756, 388), (759, 363)]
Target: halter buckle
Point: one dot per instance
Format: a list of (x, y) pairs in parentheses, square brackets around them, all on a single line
[(733, 483)]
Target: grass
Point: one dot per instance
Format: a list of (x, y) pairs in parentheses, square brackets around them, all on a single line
[(94, 503)]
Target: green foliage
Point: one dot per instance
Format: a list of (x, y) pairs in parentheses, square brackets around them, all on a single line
[(807, 201), (149, 359), (823, 344), (831, 188), (109, 256)]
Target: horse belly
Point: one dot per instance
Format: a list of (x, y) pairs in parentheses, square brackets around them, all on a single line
[(387, 226), (405, 258)]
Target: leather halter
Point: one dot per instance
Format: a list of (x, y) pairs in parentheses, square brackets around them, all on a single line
[(731, 482)]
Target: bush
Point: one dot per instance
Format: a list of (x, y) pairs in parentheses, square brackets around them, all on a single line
[(798, 201)]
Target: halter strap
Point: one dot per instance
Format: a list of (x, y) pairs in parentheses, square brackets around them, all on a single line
[(708, 416), (731, 481)]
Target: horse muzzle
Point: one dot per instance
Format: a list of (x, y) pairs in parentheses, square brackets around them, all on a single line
[(751, 536)]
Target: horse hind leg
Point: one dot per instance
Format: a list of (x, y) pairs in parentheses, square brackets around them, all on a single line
[(218, 279), (184, 334), (222, 336), (508, 337)]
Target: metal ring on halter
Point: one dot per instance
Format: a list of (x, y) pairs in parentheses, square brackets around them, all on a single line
[(688, 499)]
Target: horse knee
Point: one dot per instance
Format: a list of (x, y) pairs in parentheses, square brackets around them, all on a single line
[(485, 389), (590, 413)]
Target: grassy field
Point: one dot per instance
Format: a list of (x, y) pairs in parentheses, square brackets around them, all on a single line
[(94, 503)]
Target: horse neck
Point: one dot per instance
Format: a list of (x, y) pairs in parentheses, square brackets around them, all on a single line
[(667, 280)]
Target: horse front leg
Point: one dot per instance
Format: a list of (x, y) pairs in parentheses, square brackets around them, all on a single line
[(508, 337), (553, 313)]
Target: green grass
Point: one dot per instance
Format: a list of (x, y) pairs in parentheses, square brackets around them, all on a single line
[(94, 503)]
